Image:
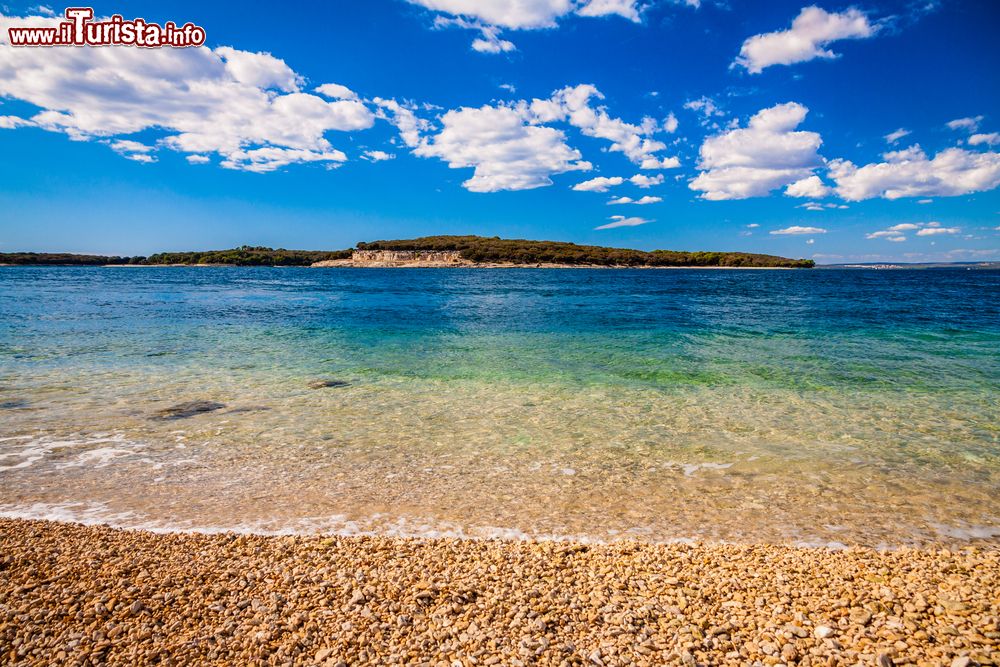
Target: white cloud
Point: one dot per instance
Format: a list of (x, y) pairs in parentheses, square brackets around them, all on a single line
[(706, 108), (622, 221), (489, 41), (516, 14), (969, 124), (657, 163), (378, 156), (909, 173), (489, 17), (628, 9), (246, 107), (643, 181), (751, 162), (505, 150), (934, 231), (511, 145), (335, 91), (271, 158), (259, 70), (599, 184), (670, 123), (991, 139), (406, 121), (896, 135), (13, 122), (811, 32), (886, 234), (198, 159), (647, 199), (797, 230), (895, 233), (642, 201), (128, 146), (573, 105), (753, 225), (811, 187)]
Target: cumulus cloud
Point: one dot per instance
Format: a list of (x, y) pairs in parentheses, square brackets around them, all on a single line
[(670, 123), (707, 109), (812, 31), (642, 201), (991, 139), (335, 91), (377, 156), (403, 117), (489, 17), (896, 233), (504, 148), (896, 135), (599, 184), (969, 124), (573, 105), (934, 231), (489, 41), (795, 230), (628, 9), (643, 181), (811, 187), (246, 107), (623, 221), (895, 237), (909, 173), (512, 146), (768, 154)]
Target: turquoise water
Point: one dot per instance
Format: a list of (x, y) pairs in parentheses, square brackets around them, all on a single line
[(824, 406)]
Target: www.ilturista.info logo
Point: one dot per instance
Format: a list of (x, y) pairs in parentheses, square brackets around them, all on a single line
[(81, 30)]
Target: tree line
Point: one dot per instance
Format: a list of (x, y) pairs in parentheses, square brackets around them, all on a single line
[(473, 248)]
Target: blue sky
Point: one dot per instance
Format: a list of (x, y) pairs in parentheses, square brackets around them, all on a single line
[(745, 125)]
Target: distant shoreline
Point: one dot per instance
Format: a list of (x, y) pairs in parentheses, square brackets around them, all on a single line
[(412, 266)]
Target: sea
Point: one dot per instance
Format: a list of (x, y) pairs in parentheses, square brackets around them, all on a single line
[(823, 407)]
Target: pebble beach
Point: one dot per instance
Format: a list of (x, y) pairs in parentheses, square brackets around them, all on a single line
[(92, 595)]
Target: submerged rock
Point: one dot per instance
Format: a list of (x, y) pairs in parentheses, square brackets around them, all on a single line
[(188, 409), (323, 384), (11, 405)]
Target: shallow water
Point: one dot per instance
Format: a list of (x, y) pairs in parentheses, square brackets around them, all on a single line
[(815, 407)]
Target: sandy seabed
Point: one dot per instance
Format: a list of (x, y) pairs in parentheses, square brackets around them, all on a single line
[(81, 595)]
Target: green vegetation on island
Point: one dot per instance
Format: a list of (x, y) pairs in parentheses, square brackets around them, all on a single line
[(249, 256), (519, 251), (242, 256), (63, 259), (477, 249)]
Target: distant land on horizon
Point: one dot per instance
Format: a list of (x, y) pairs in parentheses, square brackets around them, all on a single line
[(462, 251), (471, 250)]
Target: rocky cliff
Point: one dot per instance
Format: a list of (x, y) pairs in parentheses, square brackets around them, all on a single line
[(393, 258)]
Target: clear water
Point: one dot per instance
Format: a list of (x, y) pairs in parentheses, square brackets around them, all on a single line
[(817, 407)]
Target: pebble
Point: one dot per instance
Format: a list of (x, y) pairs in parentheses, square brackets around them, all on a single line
[(72, 594)]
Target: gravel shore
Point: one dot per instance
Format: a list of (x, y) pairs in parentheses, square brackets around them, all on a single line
[(72, 594)]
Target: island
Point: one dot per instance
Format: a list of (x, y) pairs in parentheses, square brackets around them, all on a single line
[(430, 251)]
